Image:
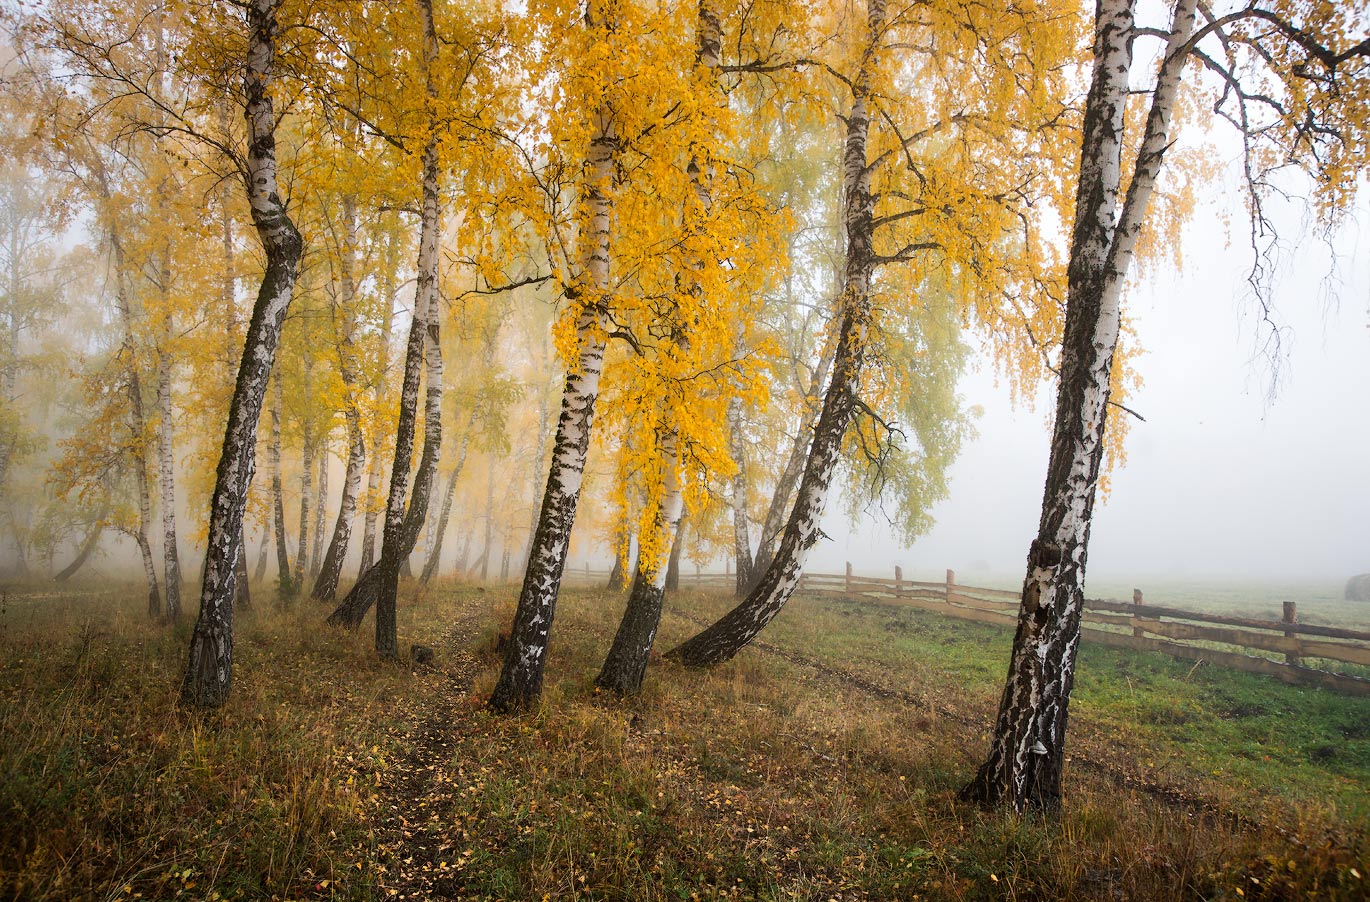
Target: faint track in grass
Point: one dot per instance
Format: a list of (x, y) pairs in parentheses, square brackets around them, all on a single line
[(1172, 796)]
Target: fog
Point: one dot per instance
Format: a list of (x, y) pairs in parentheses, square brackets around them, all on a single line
[(1223, 481)]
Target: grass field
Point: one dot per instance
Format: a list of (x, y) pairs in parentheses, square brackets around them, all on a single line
[(822, 764)]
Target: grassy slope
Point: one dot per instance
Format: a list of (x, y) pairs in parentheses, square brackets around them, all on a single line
[(828, 774)]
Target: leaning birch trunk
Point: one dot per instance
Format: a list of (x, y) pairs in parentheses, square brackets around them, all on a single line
[(209, 670), (774, 523), (83, 553), (626, 663), (423, 351), (286, 588), (739, 626), (326, 581), (1027, 749), (520, 680), (230, 305)]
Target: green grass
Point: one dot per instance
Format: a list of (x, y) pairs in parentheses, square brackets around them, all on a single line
[(827, 771)]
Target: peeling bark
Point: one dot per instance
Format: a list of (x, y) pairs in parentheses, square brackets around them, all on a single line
[(1027, 749), (208, 675)]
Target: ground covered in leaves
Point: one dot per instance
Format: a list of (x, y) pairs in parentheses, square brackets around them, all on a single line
[(823, 764)]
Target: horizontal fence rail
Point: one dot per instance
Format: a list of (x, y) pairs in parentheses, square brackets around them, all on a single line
[(1191, 635)]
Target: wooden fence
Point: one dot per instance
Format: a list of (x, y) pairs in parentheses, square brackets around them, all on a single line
[(1122, 624)]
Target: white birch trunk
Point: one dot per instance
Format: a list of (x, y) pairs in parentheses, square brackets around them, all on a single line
[(520, 680), (1027, 750), (209, 671), (738, 627)]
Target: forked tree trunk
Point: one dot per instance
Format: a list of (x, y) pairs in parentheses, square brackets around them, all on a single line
[(423, 351), (739, 626), (1027, 749), (209, 670), (673, 565), (285, 587), (626, 662), (326, 582), (520, 680), (137, 420)]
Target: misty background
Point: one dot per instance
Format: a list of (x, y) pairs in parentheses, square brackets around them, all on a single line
[(1247, 469)]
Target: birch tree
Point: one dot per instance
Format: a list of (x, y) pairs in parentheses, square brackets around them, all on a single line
[(913, 217), (209, 671), (1285, 81)]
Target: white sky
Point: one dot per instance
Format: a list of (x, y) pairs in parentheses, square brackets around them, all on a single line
[(1219, 484)]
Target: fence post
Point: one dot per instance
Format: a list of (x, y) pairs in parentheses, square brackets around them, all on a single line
[(951, 582), (898, 580), (1291, 615), (1138, 600), (847, 585)]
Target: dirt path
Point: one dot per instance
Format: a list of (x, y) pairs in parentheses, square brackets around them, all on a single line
[(414, 847)]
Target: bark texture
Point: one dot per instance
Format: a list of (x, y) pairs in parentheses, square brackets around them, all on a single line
[(520, 680), (736, 629), (209, 670), (1027, 749)]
